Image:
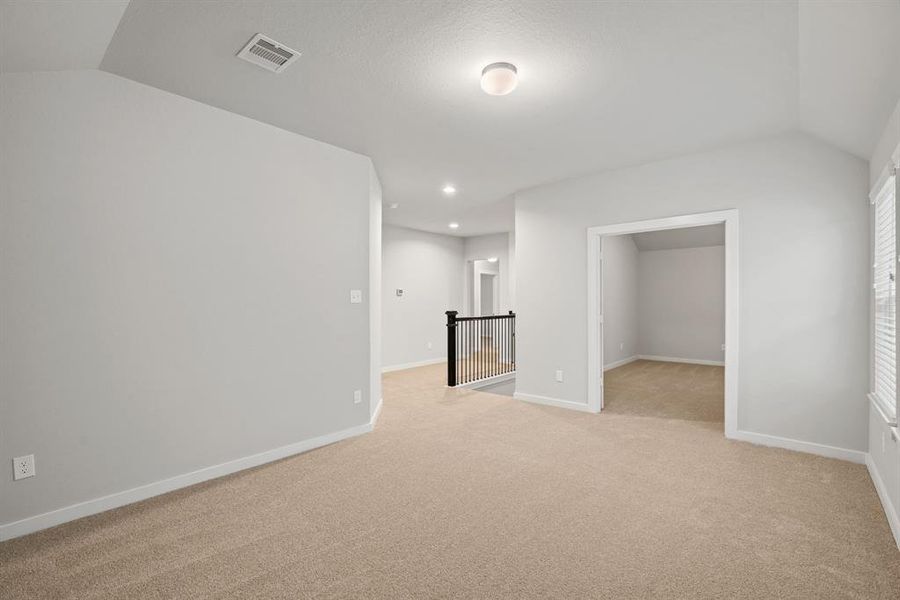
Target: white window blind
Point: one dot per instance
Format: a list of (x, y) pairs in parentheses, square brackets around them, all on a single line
[(885, 298)]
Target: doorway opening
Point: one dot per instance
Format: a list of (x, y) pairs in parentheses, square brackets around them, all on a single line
[(682, 347), (484, 287)]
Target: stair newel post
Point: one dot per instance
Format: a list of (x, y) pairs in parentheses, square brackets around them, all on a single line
[(451, 347), (512, 339)]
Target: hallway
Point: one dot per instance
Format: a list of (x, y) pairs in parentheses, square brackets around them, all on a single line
[(461, 494)]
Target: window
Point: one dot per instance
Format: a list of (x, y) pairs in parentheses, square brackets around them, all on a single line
[(884, 271)]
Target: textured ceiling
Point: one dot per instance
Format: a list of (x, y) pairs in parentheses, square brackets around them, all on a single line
[(684, 237), (603, 84), (50, 35)]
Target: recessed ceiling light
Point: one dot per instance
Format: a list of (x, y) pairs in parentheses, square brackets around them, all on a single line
[(499, 79), (492, 259), (453, 225), (394, 205), (449, 190)]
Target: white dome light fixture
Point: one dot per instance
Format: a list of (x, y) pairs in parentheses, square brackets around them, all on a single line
[(453, 225), (499, 78), (493, 259), (449, 190)]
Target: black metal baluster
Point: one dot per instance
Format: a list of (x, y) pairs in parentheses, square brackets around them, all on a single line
[(490, 357), (477, 349), (503, 346), (463, 364), (493, 346), (457, 366), (501, 325), (468, 350), (471, 350), (480, 348), (493, 339)]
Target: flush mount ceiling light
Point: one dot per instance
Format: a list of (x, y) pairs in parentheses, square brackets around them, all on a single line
[(492, 259), (453, 225), (394, 205), (449, 190), (499, 79)]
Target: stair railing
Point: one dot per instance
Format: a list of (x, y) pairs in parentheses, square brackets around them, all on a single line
[(480, 348)]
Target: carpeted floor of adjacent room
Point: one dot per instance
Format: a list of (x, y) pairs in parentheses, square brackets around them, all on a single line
[(461, 494)]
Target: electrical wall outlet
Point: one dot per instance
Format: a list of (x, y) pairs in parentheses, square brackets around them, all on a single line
[(357, 396), (723, 347), (621, 345), (559, 375), (23, 467), (355, 296), (429, 345)]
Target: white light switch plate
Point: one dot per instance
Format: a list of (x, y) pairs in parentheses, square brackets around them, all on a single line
[(355, 296), (357, 396), (559, 375)]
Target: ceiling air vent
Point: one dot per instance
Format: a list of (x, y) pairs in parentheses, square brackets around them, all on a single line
[(267, 53)]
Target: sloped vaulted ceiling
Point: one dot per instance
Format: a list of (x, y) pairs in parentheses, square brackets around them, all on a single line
[(45, 35), (602, 85)]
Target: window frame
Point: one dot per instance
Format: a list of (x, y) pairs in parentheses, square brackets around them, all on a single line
[(886, 191)]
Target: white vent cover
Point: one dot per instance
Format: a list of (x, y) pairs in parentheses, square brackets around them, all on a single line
[(267, 53)]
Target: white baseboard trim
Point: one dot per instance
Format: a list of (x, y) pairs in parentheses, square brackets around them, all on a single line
[(413, 365), (689, 361), (547, 401), (376, 413), (620, 363), (59, 516), (889, 511), (762, 439), (474, 385)]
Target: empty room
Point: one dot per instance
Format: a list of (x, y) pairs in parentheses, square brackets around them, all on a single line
[(664, 323), (471, 299)]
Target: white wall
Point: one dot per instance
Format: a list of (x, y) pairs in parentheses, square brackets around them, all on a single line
[(887, 150), (500, 245), (681, 300), (620, 299), (511, 272), (175, 287), (375, 292), (884, 450), (803, 287), (429, 268)]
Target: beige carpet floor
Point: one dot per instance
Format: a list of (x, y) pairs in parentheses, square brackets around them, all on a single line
[(460, 494), (666, 390)]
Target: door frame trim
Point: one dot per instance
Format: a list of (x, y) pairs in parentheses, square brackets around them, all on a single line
[(732, 315)]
